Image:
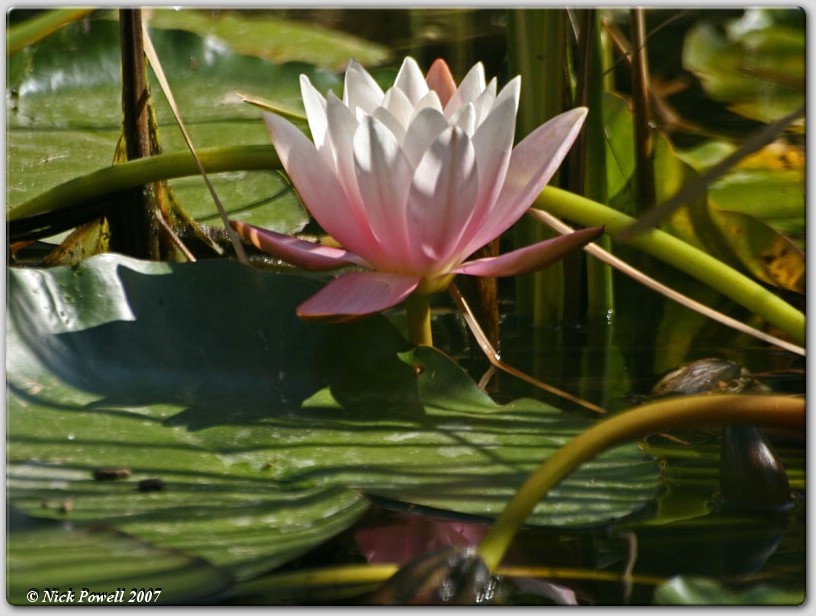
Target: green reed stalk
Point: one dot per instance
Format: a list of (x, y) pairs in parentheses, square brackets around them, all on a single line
[(537, 50)]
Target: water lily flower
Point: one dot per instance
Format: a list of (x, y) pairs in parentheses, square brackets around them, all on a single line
[(411, 182)]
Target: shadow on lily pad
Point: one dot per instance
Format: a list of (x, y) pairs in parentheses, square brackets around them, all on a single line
[(216, 338)]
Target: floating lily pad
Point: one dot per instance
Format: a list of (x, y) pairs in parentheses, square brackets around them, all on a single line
[(266, 35), (100, 567), (64, 120), (264, 430)]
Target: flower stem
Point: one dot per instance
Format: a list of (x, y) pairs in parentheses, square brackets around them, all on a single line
[(783, 411), (418, 308)]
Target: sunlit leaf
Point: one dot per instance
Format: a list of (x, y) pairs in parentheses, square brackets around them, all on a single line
[(268, 36), (85, 241), (620, 153), (768, 185), (765, 253)]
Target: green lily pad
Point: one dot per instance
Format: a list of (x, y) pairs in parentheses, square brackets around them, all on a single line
[(264, 430), (66, 115), (91, 566), (755, 64), (266, 35)]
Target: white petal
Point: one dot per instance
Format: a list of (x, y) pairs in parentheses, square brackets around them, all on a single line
[(360, 90), (315, 106), (383, 176), (423, 131), (411, 80), (342, 127), (392, 123), (465, 118), (471, 87), (485, 102), (511, 90), (442, 195), (431, 99), (399, 106)]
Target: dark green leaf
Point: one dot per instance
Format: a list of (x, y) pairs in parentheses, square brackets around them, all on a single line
[(263, 429), (756, 66), (44, 555)]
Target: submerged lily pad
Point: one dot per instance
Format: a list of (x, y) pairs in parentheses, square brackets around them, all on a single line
[(264, 430)]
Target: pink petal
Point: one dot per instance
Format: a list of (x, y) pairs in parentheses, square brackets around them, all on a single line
[(357, 294), (318, 187), (440, 80), (529, 258), (493, 142), (532, 164), (307, 255)]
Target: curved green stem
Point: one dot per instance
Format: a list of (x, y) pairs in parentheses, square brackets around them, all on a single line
[(143, 171), (418, 310), (681, 255), (664, 416)]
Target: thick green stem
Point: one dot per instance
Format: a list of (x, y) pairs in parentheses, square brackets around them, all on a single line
[(681, 255), (418, 309), (782, 411), (143, 171)]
